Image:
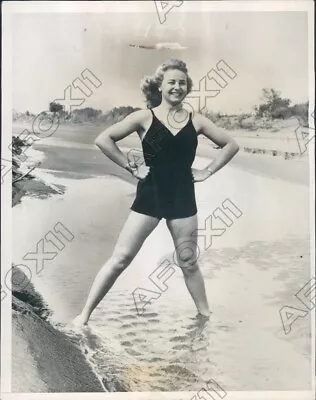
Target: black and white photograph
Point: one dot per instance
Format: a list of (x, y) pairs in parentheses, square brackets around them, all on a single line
[(157, 200)]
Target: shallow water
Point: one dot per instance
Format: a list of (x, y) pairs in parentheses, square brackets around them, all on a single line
[(169, 349)]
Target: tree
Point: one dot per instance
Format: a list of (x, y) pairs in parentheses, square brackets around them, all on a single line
[(273, 105), (55, 107)]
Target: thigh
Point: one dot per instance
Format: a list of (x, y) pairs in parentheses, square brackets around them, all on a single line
[(184, 235), (134, 232)]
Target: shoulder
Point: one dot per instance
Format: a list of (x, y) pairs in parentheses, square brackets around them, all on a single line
[(140, 116), (201, 122)]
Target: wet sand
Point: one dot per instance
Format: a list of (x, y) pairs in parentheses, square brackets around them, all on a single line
[(251, 271), (43, 358)]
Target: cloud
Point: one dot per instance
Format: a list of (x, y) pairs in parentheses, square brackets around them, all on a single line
[(160, 46)]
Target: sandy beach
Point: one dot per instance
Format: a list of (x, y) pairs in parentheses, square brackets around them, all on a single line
[(251, 270)]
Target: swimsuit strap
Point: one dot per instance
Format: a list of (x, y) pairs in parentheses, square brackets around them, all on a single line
[(157, 118)]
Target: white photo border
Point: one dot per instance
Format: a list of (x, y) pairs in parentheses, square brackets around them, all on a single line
[(13, 7)]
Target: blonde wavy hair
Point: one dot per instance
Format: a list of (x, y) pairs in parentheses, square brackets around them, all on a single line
[(150, 84)]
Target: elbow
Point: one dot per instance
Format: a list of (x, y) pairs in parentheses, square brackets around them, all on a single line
[(235, 147), (232, 147), (100, 141), (97, 142)]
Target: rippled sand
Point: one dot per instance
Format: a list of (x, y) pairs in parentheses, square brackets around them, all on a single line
[(242, 346)]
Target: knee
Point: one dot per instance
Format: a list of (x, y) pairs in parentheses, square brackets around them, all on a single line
[(187, 260), (121, 260)]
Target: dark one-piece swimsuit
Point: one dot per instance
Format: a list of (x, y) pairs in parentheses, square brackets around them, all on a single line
[(168, 189)]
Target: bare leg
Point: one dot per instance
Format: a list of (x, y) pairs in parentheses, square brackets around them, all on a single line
[(135, 231), (186, 251)]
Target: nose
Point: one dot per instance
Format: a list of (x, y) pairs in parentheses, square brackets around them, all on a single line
[(177, 85)]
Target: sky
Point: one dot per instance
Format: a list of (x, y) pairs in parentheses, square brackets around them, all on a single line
[(265, 49)]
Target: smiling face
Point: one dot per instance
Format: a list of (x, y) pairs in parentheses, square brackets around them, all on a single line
[(174, 86)]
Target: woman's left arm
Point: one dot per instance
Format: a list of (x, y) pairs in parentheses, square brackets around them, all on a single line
[(229, 146)]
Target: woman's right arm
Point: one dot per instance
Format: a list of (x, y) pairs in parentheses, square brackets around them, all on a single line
[(106, 141)]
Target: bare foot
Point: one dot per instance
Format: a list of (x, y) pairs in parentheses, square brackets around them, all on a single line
[(79, 321)]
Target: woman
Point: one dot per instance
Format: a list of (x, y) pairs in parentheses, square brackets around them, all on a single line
[(166, 179)]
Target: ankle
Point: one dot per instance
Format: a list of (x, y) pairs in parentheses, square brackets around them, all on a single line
[(84, 315), (204, 313)]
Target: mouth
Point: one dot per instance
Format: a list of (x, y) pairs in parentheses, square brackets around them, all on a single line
[(177, 94)]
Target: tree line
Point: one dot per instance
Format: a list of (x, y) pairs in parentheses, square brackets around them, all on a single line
[(272, 106)]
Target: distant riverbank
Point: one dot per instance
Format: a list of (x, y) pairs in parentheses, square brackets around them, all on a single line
[(276, 138)]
